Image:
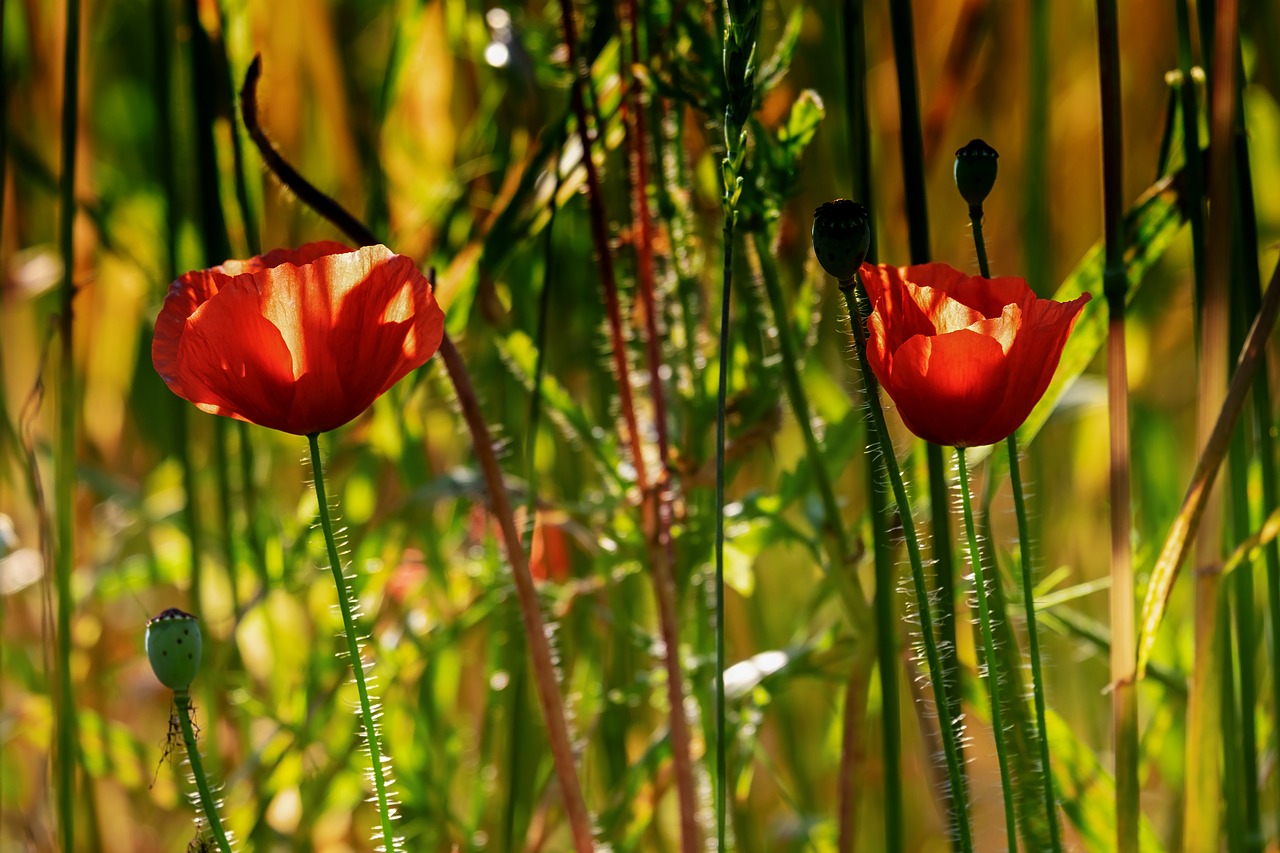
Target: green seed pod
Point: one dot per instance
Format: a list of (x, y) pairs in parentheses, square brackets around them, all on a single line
[(174, 645), (841, 237), (976, 171)]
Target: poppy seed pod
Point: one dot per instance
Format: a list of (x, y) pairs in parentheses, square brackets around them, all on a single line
[(976, 171), (174, 646), (841, 237)]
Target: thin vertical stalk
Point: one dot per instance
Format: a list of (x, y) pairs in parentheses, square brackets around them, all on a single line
[(989, 651), (1028, 587), (163, 74), (741, 28), (551, 703), (859, 141), (520, 676), (722, 392), (1038, 250), (253, 243), (1033, 640), (661, 546), (852, 757), (534, 626), (855, 92), (963, 838), (638, 136), (1193, 166), (887, 651), (1239, 700), (911, 141), (1261, 411), (1227, 710), (4, 135), (657, 540), (345, 597), (65, 454), (1250, 286), (1124, 707), (208, 805), (1204, 736)]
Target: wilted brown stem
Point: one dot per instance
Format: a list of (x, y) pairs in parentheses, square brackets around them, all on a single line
[(657, 522)]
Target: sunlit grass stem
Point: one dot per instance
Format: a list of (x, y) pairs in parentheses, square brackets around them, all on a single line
[(946, 726), (1203, 817), (1124, 707), (208, 805), (1247, 301), (1028, 586), (353, 646), (66, 724)]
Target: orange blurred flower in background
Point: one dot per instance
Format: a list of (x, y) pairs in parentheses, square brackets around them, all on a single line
[(964, 358), (300, 340)]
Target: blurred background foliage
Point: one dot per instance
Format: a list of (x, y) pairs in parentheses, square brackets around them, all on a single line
[(441, 124)]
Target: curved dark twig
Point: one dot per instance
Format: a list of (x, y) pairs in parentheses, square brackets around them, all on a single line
[(306, 192)]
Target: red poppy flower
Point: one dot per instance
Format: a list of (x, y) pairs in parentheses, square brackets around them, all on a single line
[(965, 358), (299, 340)]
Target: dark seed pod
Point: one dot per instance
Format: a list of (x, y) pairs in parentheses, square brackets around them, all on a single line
[(841, 236), (976, 171), (174, 644)]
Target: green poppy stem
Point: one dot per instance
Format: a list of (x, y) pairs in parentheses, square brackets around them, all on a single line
[(989, 650), (1028, 588), (1033, 641), (353, 645), (182, 699), (946, 724)]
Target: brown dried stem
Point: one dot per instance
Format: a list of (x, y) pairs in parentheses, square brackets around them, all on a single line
[(657, 508)]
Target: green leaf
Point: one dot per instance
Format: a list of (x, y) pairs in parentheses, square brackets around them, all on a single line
[(1149, 228), (802, 123)]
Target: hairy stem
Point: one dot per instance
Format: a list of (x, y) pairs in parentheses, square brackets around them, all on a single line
[(989, 651), (182, 699), (385, 811), (1028, 587), (946, 725)]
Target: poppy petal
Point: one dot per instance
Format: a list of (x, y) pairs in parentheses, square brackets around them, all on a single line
[(234, 362), (949, 385), (301, 340)]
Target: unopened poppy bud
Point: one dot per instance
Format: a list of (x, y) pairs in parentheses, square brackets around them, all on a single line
[(976, 171), (174, 645), (841, 237)]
